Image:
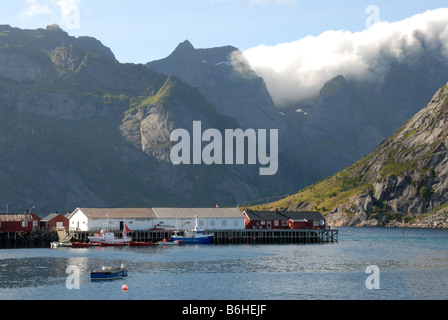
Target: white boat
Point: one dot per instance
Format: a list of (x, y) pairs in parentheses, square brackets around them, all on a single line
[(56, 245), (108, 237)]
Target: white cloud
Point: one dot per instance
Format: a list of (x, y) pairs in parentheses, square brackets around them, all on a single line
[(63, 12), (70, 14), (36, 7), (296, 71)]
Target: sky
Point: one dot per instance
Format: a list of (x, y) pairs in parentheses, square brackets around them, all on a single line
[(139, 31)]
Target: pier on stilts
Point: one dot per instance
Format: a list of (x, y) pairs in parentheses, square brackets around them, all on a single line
[(246, 236)]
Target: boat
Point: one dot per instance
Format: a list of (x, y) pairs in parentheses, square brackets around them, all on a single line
[(195, 235), (164, 242), (55, 245), (140, 244), (113, 244), (108, 273), (109, 238), (81, 245)]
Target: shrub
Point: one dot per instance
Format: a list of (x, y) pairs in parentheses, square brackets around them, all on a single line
[(425, 193)]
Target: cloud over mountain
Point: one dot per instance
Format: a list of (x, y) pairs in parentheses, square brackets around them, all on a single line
[(295, 71)]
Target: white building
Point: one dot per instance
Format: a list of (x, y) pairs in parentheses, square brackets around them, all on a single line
[(95, 219), (208, 218)]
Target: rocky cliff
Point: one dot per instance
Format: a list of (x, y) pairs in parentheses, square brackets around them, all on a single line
[(226, 81), (403, 182), (78, 128), (351, 116)]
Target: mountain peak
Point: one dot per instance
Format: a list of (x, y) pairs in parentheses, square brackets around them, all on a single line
[(184, 52), (333, 85), (185, 46)]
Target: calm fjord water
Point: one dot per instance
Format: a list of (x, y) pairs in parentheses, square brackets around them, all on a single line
[(413, 264)]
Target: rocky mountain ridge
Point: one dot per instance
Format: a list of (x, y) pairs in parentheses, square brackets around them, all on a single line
[(86, 130), (403, 182), (226, 81), (78, 128)]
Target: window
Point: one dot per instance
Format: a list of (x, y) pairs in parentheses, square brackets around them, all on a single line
[(235, 223), (224, 223), (276, 224), (284, 223), (24, 224), (212, 223), (263, 223)]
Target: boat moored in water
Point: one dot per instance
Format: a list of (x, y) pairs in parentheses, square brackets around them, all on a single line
[(140, 244), (174, 243), (108, 238), (195, 235), (108, 273)]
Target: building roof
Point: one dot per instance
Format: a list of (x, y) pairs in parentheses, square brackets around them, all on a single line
[(117, 213), (163, 213), (51, 217), (189, 213), (284, 215), (16, 217)]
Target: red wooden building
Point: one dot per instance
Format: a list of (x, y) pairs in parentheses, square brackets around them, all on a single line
[(15, 222), (54, 221), (283, 220)]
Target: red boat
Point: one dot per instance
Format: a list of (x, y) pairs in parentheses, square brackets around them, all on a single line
[(113, 244), (81, 245), (140, 244)]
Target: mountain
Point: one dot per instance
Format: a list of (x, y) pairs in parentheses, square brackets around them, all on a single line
[(78, 128), (351, 116), (404, 181), (345, 122), (226, 81)]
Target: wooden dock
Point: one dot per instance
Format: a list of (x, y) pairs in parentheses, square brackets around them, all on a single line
[(272, 236), (252, 236)]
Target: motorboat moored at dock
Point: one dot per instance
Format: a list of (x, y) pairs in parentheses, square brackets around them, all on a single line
[(140, 244), (195, 235), (108, 238)]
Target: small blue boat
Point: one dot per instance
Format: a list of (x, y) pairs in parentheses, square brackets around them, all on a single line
[(108, 273), (195, 235)]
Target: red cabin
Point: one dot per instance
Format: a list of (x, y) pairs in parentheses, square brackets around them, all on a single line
[(54, 221), (15, 222), (283, 220)]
